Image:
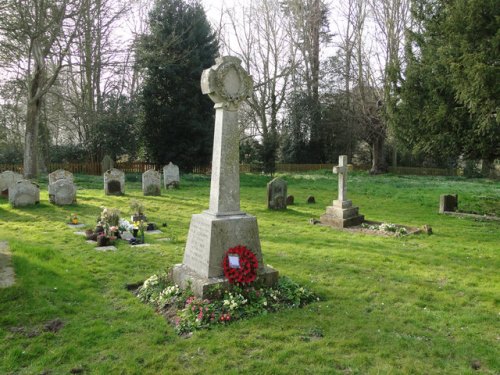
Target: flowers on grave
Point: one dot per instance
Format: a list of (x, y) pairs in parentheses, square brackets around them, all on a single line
[(237, 302), (138, 209), (387, 228), (125, 226), (73, 219), (109, 216), (240, 265)]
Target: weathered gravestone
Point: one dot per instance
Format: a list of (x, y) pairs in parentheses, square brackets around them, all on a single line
[(171, 176), (448, 203), (107, 163), (223, 225), (342, 213), (276, 194), (114, 182), (24, 193), (60, 174), (290, 200), (7, 179), (62, 190), (151, 182)]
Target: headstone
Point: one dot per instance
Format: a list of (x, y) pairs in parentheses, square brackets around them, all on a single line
[(342, 213), (7, 179), (24, 193), (171, 177), (223, 225), (60, 174), (114, 182), (311, 199), (151, 182), (448, 203), (290, 200), (62, 192), (276, 194), (107, 163)]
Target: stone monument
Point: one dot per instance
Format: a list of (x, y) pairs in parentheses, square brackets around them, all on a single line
[(151, 182), (107, 163), (276, 194), (171, 177), (342, 213), (8, 179), (114, 182), (24, 193), (223, 225)]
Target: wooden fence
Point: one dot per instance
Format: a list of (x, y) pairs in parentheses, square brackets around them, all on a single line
[(140, 167)]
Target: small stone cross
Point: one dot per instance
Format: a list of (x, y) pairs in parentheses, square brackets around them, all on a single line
[(341, 170)]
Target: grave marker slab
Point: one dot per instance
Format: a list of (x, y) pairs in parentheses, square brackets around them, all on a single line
[(448, 203), (223, 225), (171, 176), (276, 194), (107, 163), (24, 193), (151, 183), (342, 213), (62, 192), (114, 182), (7, 179)]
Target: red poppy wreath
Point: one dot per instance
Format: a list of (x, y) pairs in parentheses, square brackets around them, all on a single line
[(240, 265)]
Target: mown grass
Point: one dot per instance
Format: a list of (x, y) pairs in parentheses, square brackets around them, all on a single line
[(412, 305)]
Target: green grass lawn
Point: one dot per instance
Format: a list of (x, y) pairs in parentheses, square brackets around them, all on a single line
[(411, 305)]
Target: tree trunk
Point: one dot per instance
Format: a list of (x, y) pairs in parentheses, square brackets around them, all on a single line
[(30, 162), (378, 161)]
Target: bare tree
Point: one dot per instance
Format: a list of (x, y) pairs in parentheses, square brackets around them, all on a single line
[(258, 34), (42, 32)]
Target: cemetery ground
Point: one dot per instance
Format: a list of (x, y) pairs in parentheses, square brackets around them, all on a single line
[(414, 304)]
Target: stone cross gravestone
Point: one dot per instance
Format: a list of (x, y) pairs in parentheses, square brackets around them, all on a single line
[(114, 182), (342, 213), (151, 182), (8, 179), (276, 194), (107, 163), (24, 193), (223, 225), (171, 177)]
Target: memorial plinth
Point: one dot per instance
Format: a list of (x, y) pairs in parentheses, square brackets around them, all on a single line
[(223, 225), (342, 213)]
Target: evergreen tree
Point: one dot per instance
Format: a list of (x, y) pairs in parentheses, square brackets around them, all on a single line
[(450, 97), (177, 120)]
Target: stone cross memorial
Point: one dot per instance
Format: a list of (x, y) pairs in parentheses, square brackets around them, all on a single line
[(223, 225), (342, 213), (114, 182), (171, 177), (276, 194), (151, 182)]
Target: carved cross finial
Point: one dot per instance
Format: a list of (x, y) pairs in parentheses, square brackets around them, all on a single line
[(341, 170), (227, 83)]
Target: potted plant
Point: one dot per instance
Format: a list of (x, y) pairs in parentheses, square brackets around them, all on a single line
[(138, 209), (73, 219)]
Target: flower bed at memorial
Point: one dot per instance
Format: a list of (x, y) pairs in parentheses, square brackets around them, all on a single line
[(189, 313)]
